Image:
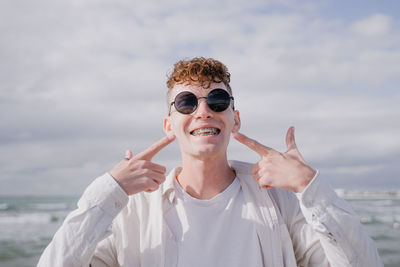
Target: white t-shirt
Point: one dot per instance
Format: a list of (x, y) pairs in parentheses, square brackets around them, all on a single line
[(213, 232)]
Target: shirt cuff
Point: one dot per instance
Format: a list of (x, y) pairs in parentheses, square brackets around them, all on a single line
[(317, 192), (316, 197), (107, 194)]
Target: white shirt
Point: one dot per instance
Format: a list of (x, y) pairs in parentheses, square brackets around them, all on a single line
[(314, 228), (213, 232)]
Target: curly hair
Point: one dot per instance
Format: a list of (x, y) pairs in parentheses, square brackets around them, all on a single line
[(199, 70)]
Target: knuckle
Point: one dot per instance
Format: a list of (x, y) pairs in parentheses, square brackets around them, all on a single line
[(142, 163), (263, 173), (163, 169), (154, 186), (133, 164), (147, 172), (266, 173), (264, 169), (143, 172)]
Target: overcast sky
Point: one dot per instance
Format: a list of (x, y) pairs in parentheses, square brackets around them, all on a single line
[(83, 80)]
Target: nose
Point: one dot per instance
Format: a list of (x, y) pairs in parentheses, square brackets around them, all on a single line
[(203, 111)]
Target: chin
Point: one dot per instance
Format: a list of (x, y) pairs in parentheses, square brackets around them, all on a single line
[(208, 151)]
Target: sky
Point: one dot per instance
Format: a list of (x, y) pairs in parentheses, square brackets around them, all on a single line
[(82, 81)]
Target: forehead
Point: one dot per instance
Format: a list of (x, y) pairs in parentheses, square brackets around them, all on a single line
[(195, 89)]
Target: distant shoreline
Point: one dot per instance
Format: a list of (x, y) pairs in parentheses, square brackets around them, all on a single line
[(375, 194), (368, 194)]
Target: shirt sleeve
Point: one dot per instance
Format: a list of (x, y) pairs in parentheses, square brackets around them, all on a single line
[(331, 221), (75, 241)]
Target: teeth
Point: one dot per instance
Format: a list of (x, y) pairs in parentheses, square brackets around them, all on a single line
[(205, 131)]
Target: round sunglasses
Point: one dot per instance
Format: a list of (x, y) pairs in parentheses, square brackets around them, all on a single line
[(186, 102)]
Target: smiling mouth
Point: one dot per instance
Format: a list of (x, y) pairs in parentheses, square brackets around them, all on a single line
[(205, 131)]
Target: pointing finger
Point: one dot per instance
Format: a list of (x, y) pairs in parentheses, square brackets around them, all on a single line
[(290, 142), (252, 144), (150, 152)]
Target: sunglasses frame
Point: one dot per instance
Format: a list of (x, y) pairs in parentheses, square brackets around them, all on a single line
[(197, 98)]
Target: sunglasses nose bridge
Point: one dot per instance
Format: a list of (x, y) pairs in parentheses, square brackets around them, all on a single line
[(200, 98), (202, 108)]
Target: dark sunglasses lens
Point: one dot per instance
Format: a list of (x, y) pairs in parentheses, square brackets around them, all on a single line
[(185, 102), (218, 100)]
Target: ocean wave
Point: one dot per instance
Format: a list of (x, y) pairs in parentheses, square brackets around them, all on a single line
[(50, 206), (29, 218), (384, 220)]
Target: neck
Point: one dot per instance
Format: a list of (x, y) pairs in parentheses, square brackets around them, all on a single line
[(205, 178)]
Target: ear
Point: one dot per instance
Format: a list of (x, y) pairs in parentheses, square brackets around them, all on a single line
[(167, 126), (237, 123)]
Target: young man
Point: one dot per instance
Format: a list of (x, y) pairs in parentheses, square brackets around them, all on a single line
[(211, 211)]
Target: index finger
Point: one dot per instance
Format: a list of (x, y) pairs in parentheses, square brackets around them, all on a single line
[(253, 144), (150, 152)]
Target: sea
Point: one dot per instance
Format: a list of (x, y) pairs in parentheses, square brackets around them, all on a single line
[(27, 224)]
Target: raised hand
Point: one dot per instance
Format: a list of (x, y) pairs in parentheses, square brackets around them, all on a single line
[(138, 173), (286, 170)]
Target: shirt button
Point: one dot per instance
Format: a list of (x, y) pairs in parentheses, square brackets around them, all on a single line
[(313, 217), (118, 205), (331, 238), (307, 201)]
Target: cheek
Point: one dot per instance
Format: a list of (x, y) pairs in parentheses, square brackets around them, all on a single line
[(179, 125), (231, 123)]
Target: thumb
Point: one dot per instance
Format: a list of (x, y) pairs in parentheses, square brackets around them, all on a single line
[(291, 145), (290, 142), (128, 154)]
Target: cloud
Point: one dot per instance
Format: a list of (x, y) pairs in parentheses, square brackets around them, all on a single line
[(375, 25), (81, 81), (358, 170)]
